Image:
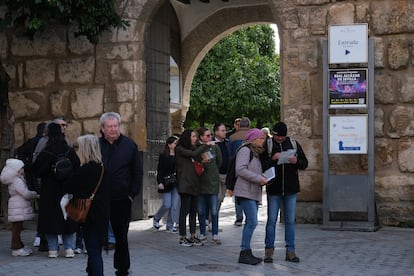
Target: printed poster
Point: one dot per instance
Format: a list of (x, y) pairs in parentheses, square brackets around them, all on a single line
[(348, 88)]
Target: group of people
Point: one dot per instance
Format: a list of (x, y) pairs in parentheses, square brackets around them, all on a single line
[(185, 193), (259, 152), (254, 151), (113, 155)]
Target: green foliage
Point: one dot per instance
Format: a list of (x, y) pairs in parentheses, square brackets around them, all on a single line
[(238, 77), (91, 17)]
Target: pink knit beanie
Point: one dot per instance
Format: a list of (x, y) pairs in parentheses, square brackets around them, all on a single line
[(253, 134)]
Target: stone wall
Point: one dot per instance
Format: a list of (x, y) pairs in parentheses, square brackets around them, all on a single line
[(57, 74), (302, 26)]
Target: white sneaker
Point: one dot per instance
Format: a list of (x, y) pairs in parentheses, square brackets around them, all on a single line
[(22, 252), (36, 242), (28, 249), (53, 254), (69, 253), (202, 237), (216, 239), (172, 230), (78, 250)]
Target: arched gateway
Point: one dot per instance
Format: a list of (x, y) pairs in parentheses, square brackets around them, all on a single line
[(145, 73)]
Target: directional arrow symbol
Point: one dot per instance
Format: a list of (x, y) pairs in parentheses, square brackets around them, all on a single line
[(347, 52)]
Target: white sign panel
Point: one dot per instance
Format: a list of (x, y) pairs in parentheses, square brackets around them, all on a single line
[(348, 134), (348, 43)]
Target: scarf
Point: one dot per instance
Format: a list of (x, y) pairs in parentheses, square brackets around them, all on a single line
[(257, 150)]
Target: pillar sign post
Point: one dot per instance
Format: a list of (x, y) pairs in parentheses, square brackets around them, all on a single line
[(348, 197)]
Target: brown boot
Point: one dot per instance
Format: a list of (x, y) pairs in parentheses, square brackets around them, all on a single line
[(268, 255), (291, 257)]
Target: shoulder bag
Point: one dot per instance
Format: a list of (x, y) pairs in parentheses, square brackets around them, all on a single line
[(78, 208), (198, 167)]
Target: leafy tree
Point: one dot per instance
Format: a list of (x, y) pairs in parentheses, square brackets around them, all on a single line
[(238, 77), (91, 17)]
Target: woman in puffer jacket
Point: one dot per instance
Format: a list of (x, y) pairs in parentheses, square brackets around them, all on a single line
[(19, 205)]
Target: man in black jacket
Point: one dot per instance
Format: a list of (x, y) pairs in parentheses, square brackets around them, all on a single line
[(123, 167), (287, 156), (25, 153), (222, 142)]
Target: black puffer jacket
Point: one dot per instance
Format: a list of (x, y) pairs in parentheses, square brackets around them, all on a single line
[(287, 177)]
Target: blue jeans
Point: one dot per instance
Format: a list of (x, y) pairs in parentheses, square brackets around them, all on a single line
[(52, 241), (111, 236), (289, 208), (171, 203), (249, 207), (239, 212), (79, 237), (208, 203), (95, 265)]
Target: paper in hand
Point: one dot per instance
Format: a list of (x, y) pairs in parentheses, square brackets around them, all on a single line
[(285, 155), (270, 174)]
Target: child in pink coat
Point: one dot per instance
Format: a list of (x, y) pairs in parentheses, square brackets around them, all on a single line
[(19, 205)]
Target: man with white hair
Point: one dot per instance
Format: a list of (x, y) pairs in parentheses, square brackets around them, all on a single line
[(123, 167)]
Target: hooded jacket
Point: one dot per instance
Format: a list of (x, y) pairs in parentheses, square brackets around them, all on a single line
[(19, 205)]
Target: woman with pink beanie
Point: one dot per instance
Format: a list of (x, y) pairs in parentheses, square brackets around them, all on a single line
[(248, 188)]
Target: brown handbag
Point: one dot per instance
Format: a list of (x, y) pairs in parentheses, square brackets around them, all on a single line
[(78, 208)]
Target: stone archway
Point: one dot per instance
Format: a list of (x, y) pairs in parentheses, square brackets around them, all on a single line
[(213, 29)]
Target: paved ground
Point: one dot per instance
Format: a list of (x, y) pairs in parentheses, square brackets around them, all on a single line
[(389, 251)]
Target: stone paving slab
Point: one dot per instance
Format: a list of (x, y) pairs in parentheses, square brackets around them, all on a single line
[(389, 251)]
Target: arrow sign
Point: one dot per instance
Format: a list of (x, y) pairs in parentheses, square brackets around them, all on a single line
[(347, 52), (341, 147)]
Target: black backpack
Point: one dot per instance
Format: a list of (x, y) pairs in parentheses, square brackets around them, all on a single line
[(63, 167), (231, 171)]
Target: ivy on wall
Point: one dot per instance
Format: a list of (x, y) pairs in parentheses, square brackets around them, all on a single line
[(92, 18)]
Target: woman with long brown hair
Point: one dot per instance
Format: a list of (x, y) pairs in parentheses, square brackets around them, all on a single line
[(186, 152), (168, 186)]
